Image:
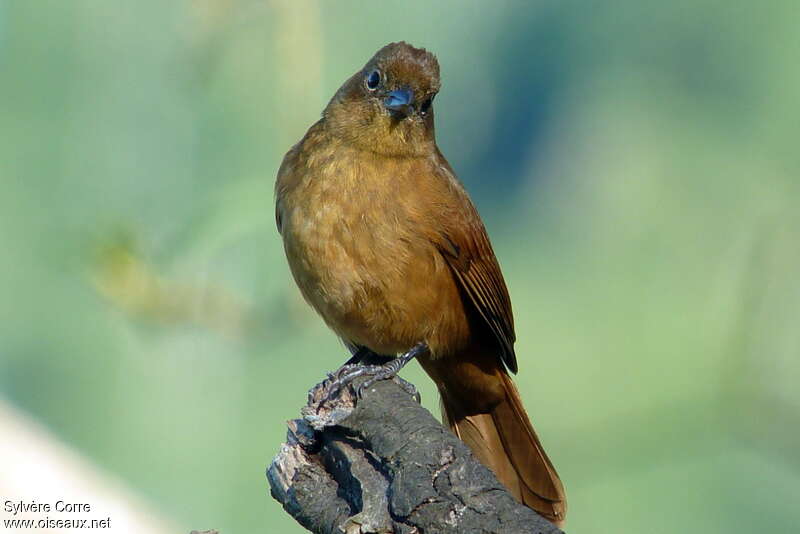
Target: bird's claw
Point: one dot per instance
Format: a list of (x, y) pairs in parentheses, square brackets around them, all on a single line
[(345, 375), (386, 374), (338, 380)]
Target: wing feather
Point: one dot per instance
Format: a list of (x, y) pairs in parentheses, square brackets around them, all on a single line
[(465, 247)]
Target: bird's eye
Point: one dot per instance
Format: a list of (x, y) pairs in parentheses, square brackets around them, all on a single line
[(426, 105), (373, 80)]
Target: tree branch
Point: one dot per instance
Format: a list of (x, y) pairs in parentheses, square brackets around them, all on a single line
[(383, 464)]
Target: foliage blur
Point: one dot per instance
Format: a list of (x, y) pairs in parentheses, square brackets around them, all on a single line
[(636, 164)]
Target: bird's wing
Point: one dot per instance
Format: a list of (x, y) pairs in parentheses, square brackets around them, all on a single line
[(465, 246)]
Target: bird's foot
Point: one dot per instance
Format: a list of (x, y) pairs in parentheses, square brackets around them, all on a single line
[(364, 356), (380, 372), (389, 370), (343, 377), (346, 374)]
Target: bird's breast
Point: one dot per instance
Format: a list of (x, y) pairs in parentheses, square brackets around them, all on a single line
[(353, 242)]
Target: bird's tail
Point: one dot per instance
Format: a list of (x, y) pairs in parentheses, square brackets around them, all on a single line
[(503, 439)]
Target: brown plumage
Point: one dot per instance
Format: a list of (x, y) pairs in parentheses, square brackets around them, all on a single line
[(386, 245)]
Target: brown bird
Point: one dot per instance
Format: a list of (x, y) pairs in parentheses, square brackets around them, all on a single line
[(386, 245)]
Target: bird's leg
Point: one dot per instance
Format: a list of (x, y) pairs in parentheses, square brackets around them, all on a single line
[(390, 369), (361, 356), (365, 356), (385, 371)]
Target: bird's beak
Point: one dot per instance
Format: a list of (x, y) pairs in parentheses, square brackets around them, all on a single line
[(400, 101)]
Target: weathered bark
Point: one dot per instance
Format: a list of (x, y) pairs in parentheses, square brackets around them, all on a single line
[(383, 464)]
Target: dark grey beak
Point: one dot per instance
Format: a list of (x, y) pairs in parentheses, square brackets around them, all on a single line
[(400, 101)]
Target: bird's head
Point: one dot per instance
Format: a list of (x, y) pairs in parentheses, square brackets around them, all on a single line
[(387, 107)]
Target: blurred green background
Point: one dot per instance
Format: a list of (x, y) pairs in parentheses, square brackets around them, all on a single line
[(636, 164)]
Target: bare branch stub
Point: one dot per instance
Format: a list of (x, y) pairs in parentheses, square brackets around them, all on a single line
[(383, 464)]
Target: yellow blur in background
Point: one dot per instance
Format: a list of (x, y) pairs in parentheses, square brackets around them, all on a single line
[(636, 165)]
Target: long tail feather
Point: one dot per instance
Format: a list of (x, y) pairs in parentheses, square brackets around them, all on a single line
[(503, 439)]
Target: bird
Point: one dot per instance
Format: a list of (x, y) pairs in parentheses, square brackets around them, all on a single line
[(386, 245)]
